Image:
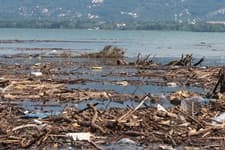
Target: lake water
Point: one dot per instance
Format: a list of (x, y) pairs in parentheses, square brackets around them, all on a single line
[(159, 43)]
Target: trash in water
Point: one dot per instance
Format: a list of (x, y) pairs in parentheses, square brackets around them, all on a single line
[(171, 84), (166, 147), (36, 115), (219, 119), (37, 64), (193, 104), (122, 83), (96, 68), (38, 121), (39, 115), (37, 74), (82, 136), (54, 51), (161, 99), (160, 108), (126, 141)]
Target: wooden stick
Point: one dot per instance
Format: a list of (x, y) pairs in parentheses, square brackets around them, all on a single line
[(130, 112), (191, 117), (217, 127), (26, 126), (213, 138), (93, 124), (199, 62)]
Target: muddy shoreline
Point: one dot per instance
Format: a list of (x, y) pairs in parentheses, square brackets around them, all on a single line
[(56, 84)]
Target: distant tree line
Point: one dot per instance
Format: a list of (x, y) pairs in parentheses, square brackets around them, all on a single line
[(93, 24), (198, 27)]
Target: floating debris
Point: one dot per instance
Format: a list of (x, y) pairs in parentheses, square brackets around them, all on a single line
[(193, 104), (37, 74), (96, 68), (195, 121), (80, 136), (171, 84), (219, 119), (107, 52), (122, 83), (126, 141)]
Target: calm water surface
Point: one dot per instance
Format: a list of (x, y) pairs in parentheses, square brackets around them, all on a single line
[(159, 43)]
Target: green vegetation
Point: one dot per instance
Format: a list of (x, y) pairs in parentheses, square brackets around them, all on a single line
[(93, 24), (146, 10), (199, 27), (136, 14)]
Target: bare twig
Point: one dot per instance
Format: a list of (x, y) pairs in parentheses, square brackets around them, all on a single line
[(130, 112), (93, 124)]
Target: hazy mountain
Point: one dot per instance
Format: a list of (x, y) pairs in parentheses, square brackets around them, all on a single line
[(114, 10)]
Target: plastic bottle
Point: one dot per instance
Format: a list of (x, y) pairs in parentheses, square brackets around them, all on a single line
[(193, 104), (218, 119)]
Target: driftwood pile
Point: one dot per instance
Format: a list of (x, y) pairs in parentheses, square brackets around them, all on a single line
[(18, 83), (185, 61), (42, 90), (146, 125), (145, 61)]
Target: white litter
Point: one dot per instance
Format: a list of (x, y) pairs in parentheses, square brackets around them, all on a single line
[(37, 74), (37, 64), (38, 122), (54, 51), (126, 141), (171, 84), (96, 68), (218, 119), (81, 136), (26, 112), (161, 108), (122, 83), (166, 147)]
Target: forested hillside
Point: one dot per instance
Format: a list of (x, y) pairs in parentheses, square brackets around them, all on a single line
[(114, 10)]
